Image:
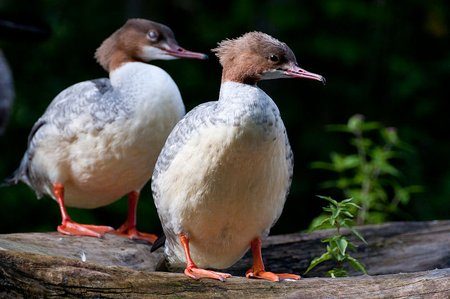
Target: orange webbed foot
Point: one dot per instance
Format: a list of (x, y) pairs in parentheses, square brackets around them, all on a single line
[(270, 276), (69, 227), (258, 271), (131, 232), (128, 229), (197, 273)]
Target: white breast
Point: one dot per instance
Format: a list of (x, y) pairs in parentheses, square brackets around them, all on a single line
[(226, 186), (98, 166)]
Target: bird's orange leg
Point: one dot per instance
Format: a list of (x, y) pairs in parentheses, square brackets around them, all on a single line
[(191, 268), (128, 229), (70, 227), (258, 271)]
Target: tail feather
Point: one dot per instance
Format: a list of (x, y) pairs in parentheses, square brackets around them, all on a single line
[(10, 181), (19, 175), (158, 243)]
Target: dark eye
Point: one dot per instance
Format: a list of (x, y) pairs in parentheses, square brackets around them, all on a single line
[(273, 58), (152, 35)]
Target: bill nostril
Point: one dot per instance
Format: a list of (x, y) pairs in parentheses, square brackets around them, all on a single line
[(180, 49)]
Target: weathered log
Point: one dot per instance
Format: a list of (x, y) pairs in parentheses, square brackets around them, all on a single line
[(108, 251), (51, 265), (35, 275), (392, 248)]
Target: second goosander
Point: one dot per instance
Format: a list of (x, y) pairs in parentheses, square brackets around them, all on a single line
[(99, 140), (222, 178)]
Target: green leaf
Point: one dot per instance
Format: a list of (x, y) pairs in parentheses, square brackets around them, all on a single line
[(346, 222), (362, 143), (347, 200), (320, 222), (389, 169), (354, 205), (355, 123), (329, 199), (332, 221), (342, 245), (333, 249), (324, 257), (356, 264), (350, 161), (342, 162), (402, 195), (390, 135), (335, 213), (348, 214), (369, 126), (356, 233)]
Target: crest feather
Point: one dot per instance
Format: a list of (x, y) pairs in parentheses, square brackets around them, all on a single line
[(228, 48)]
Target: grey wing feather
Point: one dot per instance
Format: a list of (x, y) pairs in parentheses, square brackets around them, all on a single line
[(92, 97), (290, 160), (95, 97), (290, 165)]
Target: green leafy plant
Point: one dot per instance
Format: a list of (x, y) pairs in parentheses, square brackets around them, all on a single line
[(368, 175), (338, 216)]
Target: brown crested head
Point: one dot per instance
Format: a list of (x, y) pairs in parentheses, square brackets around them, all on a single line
[(141, 40), (258, 56)]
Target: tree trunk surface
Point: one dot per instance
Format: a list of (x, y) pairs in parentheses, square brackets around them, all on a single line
[(403, 259)]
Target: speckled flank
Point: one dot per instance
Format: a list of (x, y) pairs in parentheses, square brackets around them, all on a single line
[(101, 138), (223, 163)]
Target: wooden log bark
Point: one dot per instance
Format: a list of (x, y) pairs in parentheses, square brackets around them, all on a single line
[(51, 265)]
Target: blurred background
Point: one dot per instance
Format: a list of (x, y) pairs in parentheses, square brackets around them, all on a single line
[(387, 60)]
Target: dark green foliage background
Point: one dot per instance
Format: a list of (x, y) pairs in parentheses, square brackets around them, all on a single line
[(388, 60)]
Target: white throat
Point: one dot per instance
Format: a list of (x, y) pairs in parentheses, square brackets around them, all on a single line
[(150, 88)]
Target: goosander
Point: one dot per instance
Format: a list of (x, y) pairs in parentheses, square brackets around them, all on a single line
[(223, 175), (99, 140)]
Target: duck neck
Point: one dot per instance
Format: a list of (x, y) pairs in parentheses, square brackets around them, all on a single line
[(237, 93), (118, 59)]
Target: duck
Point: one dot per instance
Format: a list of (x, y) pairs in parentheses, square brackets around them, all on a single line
[(98, 140), (223, 175)]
